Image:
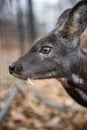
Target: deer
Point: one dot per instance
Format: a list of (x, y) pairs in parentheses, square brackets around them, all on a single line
[(59, 55)]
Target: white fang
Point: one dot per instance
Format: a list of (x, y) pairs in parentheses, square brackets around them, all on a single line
[(30, 82)]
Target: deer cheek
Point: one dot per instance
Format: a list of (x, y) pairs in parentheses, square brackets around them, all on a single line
[(43, 56)]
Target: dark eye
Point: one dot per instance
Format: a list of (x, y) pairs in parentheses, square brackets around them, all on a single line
[(45, 50)]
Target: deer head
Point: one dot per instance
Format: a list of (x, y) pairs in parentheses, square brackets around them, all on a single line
[(59, 54)]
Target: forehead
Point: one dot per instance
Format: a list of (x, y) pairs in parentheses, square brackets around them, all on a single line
[(50, 39)]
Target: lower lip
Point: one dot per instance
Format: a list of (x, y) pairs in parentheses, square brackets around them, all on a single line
[(19, 77)]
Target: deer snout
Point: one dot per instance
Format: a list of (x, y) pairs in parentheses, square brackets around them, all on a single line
[(15, 69), (11, 68)]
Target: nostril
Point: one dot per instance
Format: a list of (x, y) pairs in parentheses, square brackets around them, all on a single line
[(11, 68)]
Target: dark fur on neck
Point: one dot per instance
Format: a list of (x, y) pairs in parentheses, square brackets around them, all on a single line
[(76, 89)]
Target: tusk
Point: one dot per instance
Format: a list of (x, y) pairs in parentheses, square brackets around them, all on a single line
[(30, 82)]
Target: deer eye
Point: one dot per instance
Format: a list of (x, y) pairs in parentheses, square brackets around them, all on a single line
[(45, 50)]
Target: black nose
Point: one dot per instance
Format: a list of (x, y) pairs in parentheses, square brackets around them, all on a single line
[(11, 68)]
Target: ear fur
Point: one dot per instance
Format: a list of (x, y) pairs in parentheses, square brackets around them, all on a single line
[(63, 18), (76, 21)]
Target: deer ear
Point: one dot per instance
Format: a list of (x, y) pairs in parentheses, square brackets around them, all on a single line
[(62, 18), (76, 21)]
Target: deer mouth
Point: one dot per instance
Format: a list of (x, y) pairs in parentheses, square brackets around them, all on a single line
[(35, 76), (20, 76), (23, 78), (22, 73)]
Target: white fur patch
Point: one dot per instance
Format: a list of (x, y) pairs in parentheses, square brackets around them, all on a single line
[(77, 16), (77, 79), (82, 94)]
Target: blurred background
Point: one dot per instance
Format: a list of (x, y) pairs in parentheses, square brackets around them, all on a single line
[(45, 106)]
